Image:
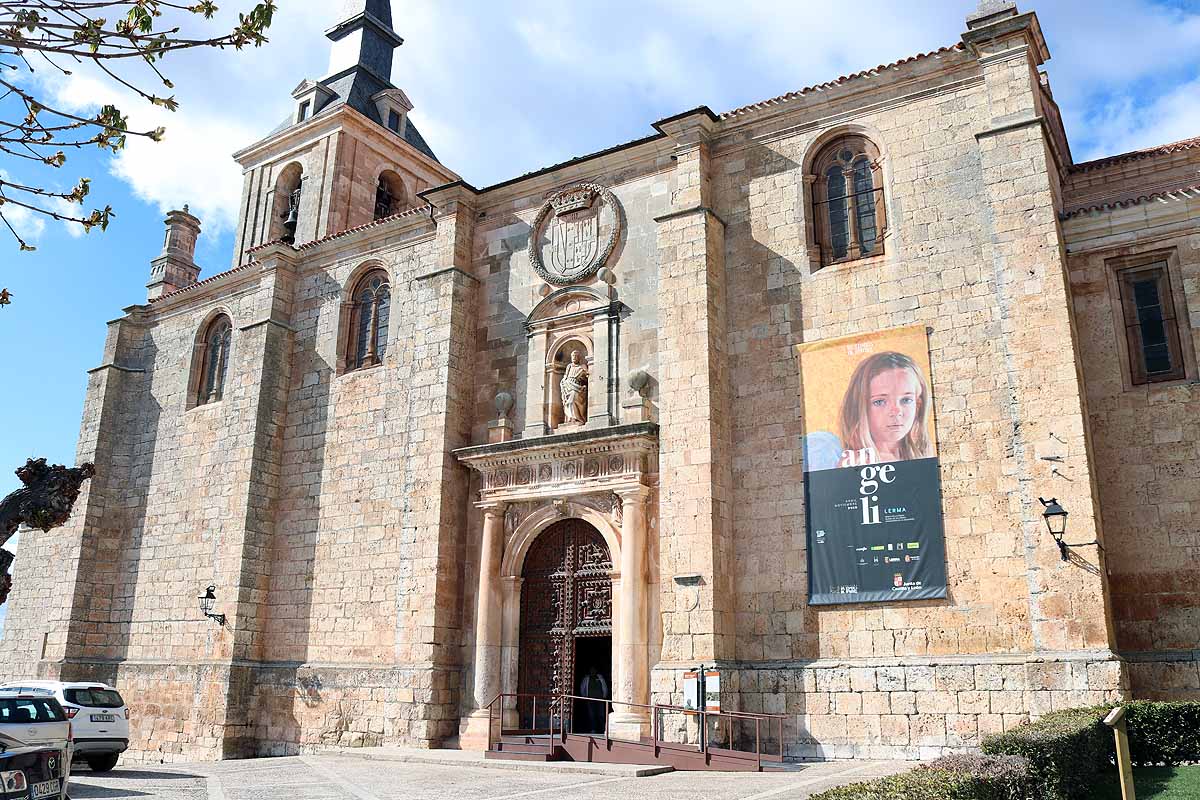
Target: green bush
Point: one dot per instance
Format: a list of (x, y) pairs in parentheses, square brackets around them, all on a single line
[(1066, 750), (1163, 733), (965, 777), (1064, 755)]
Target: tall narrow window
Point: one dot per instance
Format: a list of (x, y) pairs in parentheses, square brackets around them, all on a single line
[(848, 200), (303, 115), (215, 363), (1151, 332), (369, 323), (393, 120), (839, 227), (864, 204)]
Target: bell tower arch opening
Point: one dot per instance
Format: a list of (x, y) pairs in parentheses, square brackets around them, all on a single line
[(566, 625)]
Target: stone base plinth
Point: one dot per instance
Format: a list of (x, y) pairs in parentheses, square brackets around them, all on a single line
[(473, 732), (908, 708), (632, 727)]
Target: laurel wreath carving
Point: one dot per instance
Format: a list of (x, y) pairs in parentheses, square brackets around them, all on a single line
[(535, 255)]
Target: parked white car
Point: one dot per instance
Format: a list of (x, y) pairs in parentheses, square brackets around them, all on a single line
[(35, 746), (98, 715)]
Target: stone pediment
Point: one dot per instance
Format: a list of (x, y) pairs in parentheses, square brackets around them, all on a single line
[(582, 462), (569, 302)]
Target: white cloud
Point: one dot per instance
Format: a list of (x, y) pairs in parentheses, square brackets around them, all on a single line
[(501, 89), (1130, 123), (29, 225)]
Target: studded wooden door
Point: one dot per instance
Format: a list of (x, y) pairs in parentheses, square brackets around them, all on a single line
[(566, 594)]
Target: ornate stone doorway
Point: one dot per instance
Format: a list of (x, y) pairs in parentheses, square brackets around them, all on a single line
[(567, 575), (566, 613)]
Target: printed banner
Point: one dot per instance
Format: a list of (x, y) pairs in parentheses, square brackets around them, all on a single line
[(872, 489)]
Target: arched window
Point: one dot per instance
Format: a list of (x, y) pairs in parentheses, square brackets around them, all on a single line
[(369, 320), (389, 195), (214, 363), (848, 208)]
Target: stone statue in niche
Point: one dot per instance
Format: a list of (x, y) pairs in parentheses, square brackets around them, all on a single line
[(574, 390)]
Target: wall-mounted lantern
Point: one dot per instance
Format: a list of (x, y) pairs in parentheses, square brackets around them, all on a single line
[(1056, 522), (206, 605)]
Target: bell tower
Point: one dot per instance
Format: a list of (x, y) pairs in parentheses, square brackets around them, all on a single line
[(348, 153)]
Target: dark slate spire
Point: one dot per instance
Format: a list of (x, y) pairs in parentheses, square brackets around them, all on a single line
[(360, 67), (364, 38)]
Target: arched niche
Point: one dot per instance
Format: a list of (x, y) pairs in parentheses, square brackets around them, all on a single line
[(391, 197), (288, 190), (559, 358), (572, 319)]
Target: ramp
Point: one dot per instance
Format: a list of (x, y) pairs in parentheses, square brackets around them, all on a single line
[(724, 741)]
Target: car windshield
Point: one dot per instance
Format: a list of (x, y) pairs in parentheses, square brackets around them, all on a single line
[(94, 698), (30, 709)]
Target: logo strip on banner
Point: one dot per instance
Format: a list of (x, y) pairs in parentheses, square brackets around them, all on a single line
[(873, 497)]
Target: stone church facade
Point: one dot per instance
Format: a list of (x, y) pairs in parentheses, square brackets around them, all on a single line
[(419, 429)]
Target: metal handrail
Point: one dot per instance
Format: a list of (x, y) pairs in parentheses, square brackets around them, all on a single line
[(655, 709)]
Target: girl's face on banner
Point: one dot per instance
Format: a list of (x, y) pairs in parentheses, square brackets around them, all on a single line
[(892, 407)]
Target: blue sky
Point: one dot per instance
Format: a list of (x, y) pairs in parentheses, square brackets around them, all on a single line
[(501, 89)]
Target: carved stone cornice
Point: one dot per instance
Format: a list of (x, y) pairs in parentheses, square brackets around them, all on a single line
[(612, 459)]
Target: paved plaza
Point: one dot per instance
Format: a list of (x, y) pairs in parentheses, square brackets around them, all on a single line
[(355, 777)]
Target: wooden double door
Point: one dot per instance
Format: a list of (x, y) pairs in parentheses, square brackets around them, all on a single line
[(566, 619)]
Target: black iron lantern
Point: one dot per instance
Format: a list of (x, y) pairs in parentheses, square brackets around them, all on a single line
[(206, 605), (1056, 522), (1056, 518)]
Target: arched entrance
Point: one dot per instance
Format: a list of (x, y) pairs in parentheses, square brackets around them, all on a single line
[(566, 619)]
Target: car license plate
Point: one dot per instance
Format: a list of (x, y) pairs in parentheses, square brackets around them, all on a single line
[(104, 718), (44, 789)]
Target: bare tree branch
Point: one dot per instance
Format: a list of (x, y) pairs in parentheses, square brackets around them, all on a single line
[(106, 34)]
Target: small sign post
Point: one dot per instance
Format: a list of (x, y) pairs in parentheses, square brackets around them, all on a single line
[(712, 690), (691, 690), (1116, 721)]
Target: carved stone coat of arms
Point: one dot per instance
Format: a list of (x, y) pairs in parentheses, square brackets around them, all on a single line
[(574, 234)]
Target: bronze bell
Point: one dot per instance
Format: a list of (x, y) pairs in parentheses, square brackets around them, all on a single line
[(289, 224)]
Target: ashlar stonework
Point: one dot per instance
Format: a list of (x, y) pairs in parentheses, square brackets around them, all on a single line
[(610, 340)]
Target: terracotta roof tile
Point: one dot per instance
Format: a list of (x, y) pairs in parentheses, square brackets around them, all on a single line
[(783, 98), (1137, 155), (412, 212), (1166, 194), (218, 276)]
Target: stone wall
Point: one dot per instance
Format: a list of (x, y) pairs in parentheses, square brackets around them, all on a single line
[(326, 506), (1145, 436)]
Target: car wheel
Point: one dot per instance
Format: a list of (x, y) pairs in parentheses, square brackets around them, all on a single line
[(102, 763)]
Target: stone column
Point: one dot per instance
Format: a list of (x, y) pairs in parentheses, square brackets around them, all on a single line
[(633, 669), (488, 627)]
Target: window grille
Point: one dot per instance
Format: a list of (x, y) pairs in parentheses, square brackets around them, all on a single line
[(369, 326), (216, 361), (848, 208), (1151, 330)]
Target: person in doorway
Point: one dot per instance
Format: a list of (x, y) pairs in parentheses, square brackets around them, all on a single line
[(594, 686)]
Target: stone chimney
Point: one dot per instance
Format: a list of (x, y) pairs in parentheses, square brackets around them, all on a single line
[(176, 267)]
